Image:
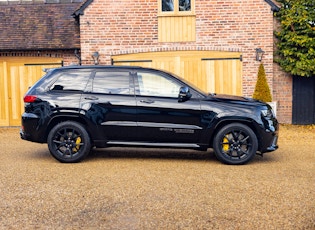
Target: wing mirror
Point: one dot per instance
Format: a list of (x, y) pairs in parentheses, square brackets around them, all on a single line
[(184, 94)]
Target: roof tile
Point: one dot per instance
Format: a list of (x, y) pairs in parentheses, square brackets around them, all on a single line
[(39, 26)]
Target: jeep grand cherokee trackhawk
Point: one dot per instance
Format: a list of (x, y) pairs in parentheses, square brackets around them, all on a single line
[(74, 109)]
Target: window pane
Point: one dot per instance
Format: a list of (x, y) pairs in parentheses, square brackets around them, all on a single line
[(167, 5), (184, 5), (72, 81), (111, 83), (157, 85)]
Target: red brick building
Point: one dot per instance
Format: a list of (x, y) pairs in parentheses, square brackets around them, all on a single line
[(141, 32)]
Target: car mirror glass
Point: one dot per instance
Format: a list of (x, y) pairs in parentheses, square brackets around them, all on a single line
[(184, 94)]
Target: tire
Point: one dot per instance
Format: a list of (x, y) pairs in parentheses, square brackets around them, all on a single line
[(69, 142), (235, 144)]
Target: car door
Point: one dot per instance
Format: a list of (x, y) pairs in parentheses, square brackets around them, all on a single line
[(161, 117), (111, 105)]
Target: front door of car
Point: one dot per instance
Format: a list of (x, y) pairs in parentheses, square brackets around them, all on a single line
[(111, 104), (161, 118)]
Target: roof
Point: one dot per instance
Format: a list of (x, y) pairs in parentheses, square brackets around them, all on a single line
[(39, 27), (86, 3)]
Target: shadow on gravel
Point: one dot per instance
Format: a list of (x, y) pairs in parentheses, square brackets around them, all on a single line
[(42, 154), (179, 154), (151, 153)]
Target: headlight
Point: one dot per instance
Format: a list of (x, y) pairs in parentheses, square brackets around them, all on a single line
[(268, 113), (268, 119)]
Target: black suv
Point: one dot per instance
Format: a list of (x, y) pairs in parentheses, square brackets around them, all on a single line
[(74, 109)]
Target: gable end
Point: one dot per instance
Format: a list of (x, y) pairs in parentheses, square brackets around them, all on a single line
[(80, 10), (274, 7)]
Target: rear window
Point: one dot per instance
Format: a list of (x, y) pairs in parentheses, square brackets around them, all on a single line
[(71, 80)]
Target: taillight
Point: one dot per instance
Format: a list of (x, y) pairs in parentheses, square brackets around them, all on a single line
[(30, 98)]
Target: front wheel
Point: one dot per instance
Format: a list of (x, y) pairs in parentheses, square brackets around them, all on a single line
[(235, 144), (69, 142)]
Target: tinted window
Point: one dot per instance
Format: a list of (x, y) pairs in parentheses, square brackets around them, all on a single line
[(184, 5), (71, 81), (151, 84), (167, 5), (111, 83)]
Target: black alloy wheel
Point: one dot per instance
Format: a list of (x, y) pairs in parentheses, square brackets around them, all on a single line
[(69, 142), (235, 144)]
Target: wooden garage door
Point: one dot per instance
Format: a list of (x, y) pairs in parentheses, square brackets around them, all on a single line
[(16, 76), (212, 71)]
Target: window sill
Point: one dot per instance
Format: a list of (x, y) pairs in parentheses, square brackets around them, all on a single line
[(179, 14)]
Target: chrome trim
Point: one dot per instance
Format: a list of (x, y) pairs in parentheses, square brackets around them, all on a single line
[(151, 125), (167, 125), (120, 123)]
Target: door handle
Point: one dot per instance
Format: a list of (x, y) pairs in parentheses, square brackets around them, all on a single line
[(147, 101), (91, 98)]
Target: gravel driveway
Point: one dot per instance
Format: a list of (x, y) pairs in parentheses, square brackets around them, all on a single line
[(119, 188)]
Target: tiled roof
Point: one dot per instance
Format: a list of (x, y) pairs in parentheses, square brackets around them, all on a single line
[(39, 26)]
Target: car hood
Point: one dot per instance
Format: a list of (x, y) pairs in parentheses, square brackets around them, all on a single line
[(234, 99)]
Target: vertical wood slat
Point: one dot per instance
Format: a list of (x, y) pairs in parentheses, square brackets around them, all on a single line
[(177, 28), (4, 105), (225, 75), (14, 95)]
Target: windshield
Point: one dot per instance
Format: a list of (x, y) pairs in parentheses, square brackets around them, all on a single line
[(194, 87)]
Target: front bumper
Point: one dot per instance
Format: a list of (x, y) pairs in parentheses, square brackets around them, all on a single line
[(274, 146)]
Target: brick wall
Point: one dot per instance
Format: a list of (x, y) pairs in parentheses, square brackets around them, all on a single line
[(282, 93), (122, 26), (282, 90)]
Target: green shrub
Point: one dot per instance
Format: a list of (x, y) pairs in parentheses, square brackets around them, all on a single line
[(262, 90)]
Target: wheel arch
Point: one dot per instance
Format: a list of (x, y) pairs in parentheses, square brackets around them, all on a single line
[(223, 122), (58, 119)]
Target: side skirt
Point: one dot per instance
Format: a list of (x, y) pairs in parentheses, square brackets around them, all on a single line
[(149, 144)]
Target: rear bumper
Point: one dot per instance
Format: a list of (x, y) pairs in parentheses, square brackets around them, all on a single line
[(30, 128)]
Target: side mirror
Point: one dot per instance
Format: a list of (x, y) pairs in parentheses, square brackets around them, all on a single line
[(184, 94)]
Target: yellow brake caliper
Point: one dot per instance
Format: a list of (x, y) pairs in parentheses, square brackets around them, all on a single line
[(225, 144), (78, 142)]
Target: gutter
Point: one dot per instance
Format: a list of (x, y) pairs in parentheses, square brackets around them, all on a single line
[(274, 7)]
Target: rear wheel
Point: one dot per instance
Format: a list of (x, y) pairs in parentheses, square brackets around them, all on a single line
[(235, 144), (69, 142)]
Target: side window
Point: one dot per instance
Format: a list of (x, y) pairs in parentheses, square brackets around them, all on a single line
[(71, 80), (151, 84), (111, 83)]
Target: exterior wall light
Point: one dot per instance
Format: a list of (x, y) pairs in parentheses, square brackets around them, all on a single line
[(259, 54), (96, 57)]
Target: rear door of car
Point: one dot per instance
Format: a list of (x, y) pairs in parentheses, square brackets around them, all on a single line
[(110, 104), (161, 118)]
